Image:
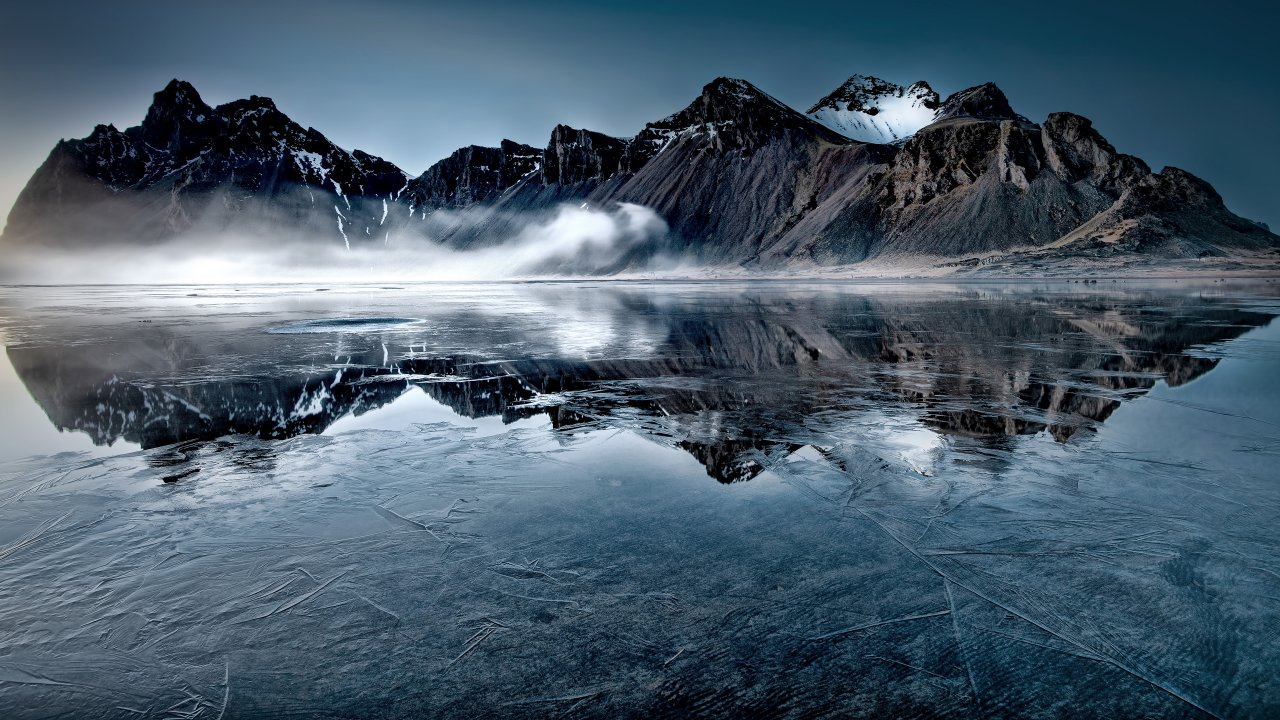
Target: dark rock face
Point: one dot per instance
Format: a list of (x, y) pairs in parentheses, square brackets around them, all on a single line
[(472, 175), (730, 171), (1075, 151), (189, 162), (575, 156)]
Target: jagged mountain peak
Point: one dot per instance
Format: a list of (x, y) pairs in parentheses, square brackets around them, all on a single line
[(177, 93), (867, 84), (922, 87), (868, 109), (735, 113), (174, 118), (563, 128), (736, 89), (983, 102), (176, 101), (725, 98)]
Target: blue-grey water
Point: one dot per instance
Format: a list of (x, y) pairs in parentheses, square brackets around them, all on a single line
[(641, 500)]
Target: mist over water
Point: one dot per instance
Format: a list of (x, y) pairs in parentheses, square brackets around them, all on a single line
[(572, 240)]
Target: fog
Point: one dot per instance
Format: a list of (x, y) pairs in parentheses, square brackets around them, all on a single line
[(569, 241)]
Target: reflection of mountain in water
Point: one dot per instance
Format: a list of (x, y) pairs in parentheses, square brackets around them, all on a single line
[(730, 384)]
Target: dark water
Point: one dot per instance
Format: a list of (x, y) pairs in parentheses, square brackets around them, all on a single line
[(641, 500)]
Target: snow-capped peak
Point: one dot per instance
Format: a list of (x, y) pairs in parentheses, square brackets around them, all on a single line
[(869, 109)]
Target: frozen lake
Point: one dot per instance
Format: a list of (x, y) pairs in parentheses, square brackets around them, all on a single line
[(629, 499)]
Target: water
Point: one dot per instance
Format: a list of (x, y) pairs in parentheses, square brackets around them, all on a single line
[(640, 500)]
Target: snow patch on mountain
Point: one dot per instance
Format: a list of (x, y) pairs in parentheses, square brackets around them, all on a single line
[(868, 109)]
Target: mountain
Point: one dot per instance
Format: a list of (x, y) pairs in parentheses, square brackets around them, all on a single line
[(730, 172), (191, 167), (874, 171)]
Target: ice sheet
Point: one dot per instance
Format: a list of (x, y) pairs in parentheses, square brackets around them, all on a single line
[(783, 500)]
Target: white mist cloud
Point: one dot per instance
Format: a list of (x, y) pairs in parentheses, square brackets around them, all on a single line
[(569, 241), (573, 241)]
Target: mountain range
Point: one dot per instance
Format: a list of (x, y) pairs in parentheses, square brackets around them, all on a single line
[(874, 171)]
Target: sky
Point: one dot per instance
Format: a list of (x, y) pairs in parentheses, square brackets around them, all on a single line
[(1189, 84)]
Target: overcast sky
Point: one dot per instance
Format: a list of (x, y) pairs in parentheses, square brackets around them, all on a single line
[(1191, 84)]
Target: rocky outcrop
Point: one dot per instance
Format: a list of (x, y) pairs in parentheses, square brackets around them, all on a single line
[(967, 186), (1171, 213), (1076, 152), (471, 176), (575, 156)]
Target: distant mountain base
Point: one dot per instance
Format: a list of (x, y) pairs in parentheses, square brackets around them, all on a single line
[(1013, 266)]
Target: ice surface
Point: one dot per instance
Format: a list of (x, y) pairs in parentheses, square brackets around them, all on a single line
[(630, 500)]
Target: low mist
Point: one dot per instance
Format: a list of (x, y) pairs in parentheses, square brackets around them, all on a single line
[(447, 245)]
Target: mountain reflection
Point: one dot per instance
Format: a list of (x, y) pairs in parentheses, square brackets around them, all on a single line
[(732, 380)]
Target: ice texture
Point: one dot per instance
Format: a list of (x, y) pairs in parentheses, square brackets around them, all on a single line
[(636, 500)]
